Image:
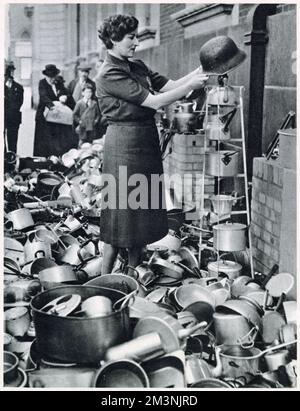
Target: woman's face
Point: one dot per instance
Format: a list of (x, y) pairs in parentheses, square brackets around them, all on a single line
[(126, 47)]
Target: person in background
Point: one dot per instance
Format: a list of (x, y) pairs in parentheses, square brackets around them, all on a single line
[(63, 91), (86, 116), (98, 66), (75, 87), (13, 100), (52, 138)]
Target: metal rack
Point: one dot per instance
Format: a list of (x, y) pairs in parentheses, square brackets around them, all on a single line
[(237, 144)]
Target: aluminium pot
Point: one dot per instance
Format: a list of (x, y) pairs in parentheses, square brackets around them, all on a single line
[(222, 204), (80, 340), (229, 237), (223, 163), (233, 329), (239, 362), (54, 276), (230, 268)]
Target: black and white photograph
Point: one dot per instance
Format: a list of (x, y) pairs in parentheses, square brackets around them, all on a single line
[(149, 160)]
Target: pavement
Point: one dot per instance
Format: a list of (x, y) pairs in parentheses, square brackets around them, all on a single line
[(26, 130)]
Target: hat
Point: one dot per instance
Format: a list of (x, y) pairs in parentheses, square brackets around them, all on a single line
[(51, 70), (220, 55), (84, 67)]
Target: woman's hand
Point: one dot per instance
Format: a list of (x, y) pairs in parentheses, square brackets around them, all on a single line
[(197, 81)]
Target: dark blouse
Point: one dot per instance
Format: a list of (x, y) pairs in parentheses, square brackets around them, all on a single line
[(122, 86)]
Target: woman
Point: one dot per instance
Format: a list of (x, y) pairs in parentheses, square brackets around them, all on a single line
[(125, 88), (52, 138)]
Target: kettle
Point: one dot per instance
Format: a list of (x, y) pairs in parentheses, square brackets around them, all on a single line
[(197, 368)]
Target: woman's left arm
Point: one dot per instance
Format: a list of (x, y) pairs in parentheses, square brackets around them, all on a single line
[(172, 84)]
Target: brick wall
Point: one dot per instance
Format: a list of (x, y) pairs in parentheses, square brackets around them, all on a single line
[(186, 158), (170, 30), (273, 191)]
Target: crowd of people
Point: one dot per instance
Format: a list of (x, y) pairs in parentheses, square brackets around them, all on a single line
[(50, 137)]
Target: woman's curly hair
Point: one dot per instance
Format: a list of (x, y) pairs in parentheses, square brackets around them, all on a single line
[(115, 28)]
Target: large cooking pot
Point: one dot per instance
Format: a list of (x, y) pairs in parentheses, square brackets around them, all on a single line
[(223, 163), (229, 237), (233, 329), (230, 268), (74, 339)]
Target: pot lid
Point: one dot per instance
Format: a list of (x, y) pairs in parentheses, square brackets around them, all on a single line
[(63, 305), (224, 265), (230, 227), (280, 284)]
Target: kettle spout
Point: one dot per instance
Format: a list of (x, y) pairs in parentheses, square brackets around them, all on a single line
[(217, 370)]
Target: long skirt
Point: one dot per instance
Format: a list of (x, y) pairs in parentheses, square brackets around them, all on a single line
[(53, 139), (133, 205)]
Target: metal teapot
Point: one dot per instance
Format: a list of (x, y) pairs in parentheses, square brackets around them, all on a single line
[(197, 368)]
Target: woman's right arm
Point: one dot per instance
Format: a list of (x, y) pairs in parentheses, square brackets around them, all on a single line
[(157, 101)]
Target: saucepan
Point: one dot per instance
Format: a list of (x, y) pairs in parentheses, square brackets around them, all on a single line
[(54, 276), (222, 163)]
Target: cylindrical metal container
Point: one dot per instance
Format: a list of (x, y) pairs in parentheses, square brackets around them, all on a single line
[(74, 339), (223, 163), (230, 237), (231, 329)]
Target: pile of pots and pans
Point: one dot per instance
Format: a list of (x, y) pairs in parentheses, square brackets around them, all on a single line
[(168, 324), (164, 324)]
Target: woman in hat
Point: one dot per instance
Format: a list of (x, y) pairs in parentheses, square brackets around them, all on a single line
[(125, 88), (52, 138)]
